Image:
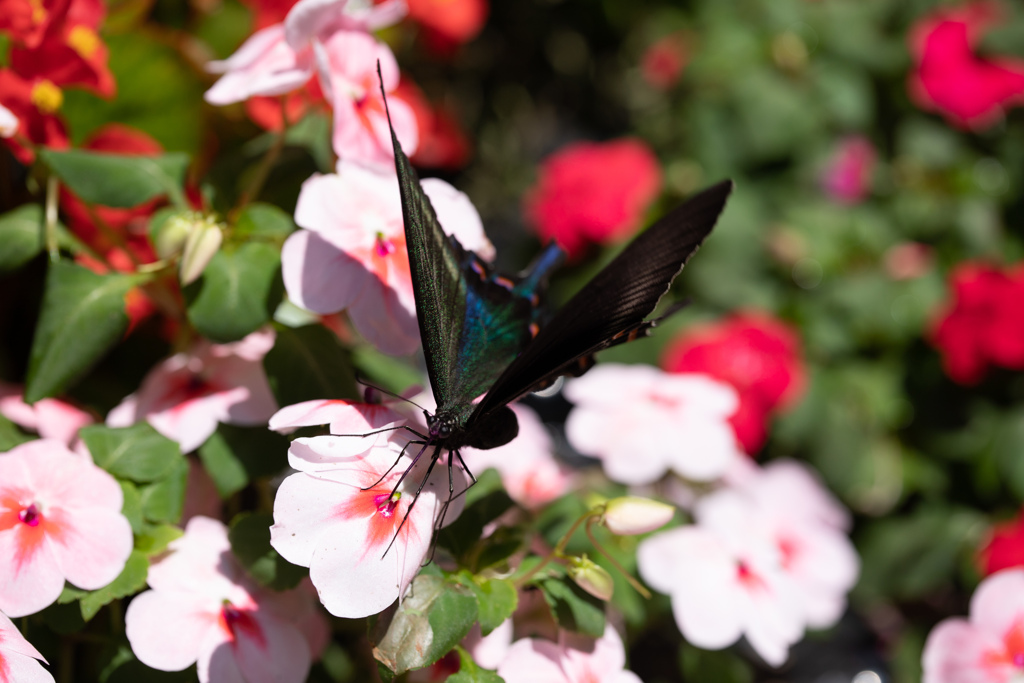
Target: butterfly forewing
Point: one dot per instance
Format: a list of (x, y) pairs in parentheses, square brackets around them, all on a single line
[(614, 303)]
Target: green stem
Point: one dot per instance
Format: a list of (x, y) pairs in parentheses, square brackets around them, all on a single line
[(263, 170), (615, 563), (558, 552), (52, 195)]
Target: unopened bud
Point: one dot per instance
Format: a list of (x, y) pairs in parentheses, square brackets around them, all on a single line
[(631, 515), (591, 577), (201, 246), (171, 233)]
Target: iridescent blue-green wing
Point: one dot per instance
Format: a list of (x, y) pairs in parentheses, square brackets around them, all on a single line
[(613, 307)]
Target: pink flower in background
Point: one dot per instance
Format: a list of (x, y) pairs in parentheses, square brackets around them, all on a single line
[(573, 659), (352, 253), (48, 417), (265, 64), (950, 78), (528, 469), (203, 609), (982, 325), (757, 354), (989, 646), (60, 518), (343, 517), (664, 60), (642, 422), (451, 22), (185, 396), (593, 192), (908, 260), (19, 661), (847, 178)]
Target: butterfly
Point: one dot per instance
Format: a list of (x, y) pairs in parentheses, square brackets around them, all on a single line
[(483, 339)]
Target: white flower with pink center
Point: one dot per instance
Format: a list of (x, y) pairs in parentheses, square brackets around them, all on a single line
[(726, 578), (60, 518), (349, 514), (989, 646), (202, 609), (573, 659), (623, 413), (352, 253), (19, 661), (48, 417), (185, 396), (527, 465)]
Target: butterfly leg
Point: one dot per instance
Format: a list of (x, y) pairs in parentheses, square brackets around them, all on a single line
[(394, 465), (416, 496)]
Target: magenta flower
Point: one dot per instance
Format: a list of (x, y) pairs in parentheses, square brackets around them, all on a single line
[(347, 516), (989, 646), (970, 91), (573, 659), (60, 518), (528, 469), (185, 396), (622, 412), (847, 178), (352, 252), (202, 609), (48, 417), (19, 661)]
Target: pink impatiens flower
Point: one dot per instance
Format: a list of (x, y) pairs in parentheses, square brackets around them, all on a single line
[(19, 661), (573, 659), (847, 178), (185, 396), (204, 610), (642, 422), (352, 253), (48, 417), (60, 518), (350, 515), (989, 646)]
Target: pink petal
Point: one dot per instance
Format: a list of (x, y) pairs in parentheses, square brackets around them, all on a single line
[(998, 602), (319, 276), (604, 656), (381, 315), (458, 216), (15, 668), (11, 640), (264, 650), (954, 651), (31, 577), (93, 547), (532, 660), (490, 650), (167, 629), (263, 65)]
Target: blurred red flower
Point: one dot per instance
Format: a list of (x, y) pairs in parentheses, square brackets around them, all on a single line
[(69, 54), (591, 192), (1005, 547), (452, 21), (268, 12), (757, 354), (269, 112), (27, 20), (663, 61), (847, 178), (443, 143), (950, 78), (35, 103), (983, 324)]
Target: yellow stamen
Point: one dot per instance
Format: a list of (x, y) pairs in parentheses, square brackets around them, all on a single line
[(47, 97), (84, 41)]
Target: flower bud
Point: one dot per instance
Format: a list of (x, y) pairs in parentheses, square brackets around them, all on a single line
[(591, 577), (201, 246), (172, 232), (631, 515)]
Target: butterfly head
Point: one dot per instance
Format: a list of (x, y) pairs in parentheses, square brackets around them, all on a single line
[(441, 426)]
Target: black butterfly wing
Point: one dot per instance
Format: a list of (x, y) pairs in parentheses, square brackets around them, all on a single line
[(612, 307), (472, 322)]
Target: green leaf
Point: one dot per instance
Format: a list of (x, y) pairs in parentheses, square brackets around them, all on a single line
[(724, 666), (496, 599), (138, 452), (238, 292), (573, 608), (155, 538), (118, 180), (250, 541), (308, 363), (393, 374), (234, 455), (132, 506), (11, 435), (22, 236), (261, 221), (485, 502), (131, 580), (163, 500), (471, 672), (82, 317), (436, 614)]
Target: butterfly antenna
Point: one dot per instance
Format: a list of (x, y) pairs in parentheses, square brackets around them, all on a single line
[(393, 466), (389, 393)]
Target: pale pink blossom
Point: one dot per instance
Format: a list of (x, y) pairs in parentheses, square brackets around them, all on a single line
[(309, 20), (349, 515), (60, 518), (352, 253), (527, 465), (48, 417), (642, 422), (265, 64), (573, 659), (202, 609), (185, 396), (989, 646), (726, 578), (490, 650), (19, 661), (847, 178)]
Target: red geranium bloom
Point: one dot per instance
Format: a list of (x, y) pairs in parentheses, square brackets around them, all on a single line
[(35, 103), (663, 62), (950, 78), (69, 54), (268, 12), (454, 21), (269, 112), (27, 20), (758, 355), (983, 324), (593, 192), (443, 143), (1005, 547)]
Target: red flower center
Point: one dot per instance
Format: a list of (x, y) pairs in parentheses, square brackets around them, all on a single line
[(238, 621), (31, 515), (384, 246), (386, 504)]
